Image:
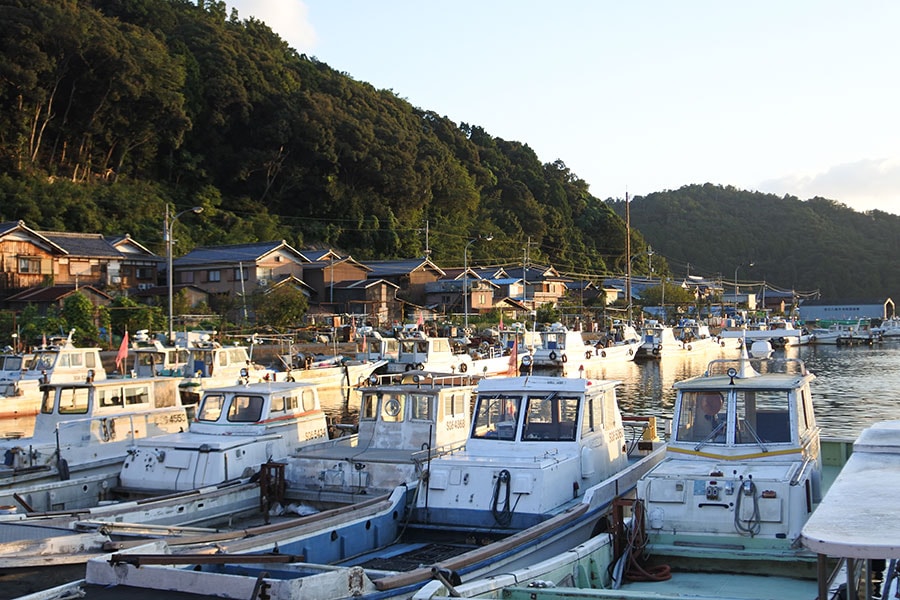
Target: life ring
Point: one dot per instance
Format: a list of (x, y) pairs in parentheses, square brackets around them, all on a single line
[(603, 353), (463, 368), (689, 347), (552, 355), (631, 352), (588, 354), (565, 358), (408, 367), (420, 366), (656, 352)]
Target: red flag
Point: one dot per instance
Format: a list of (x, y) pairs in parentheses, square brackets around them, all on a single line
[(421, 319), (501, 319), (123, 351), (364, 345), (514, 359)]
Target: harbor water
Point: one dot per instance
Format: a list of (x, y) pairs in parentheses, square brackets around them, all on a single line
[(855, 386)]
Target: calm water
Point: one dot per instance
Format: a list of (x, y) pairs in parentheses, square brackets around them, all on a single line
[(854, 386)]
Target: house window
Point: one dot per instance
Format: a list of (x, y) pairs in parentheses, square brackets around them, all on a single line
[(186, 277), (29, 264), (144, 273), (241, 274), (214, 275)]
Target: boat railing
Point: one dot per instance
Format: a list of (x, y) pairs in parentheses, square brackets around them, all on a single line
[(721, 366), (108, 432), (427, 453), (421, 378)]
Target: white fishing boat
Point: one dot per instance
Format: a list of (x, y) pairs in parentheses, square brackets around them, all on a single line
[(404, 423), (329, 371), (57, 361), (544, 460), (212, 365), (720, 517), (859, 332), (443, 355), (566, 353), (235, 430), (660, 341), (81, 437), (777, 331)]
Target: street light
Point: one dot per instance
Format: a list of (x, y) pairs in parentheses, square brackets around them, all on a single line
[(486, 238), (749, 264), (168, 234)]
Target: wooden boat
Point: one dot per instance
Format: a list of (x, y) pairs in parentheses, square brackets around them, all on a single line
[(81, 437), (720, 517), (564, 352), (505, 500)]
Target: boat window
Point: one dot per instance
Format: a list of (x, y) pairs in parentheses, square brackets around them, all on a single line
[(307, 400), (90, 360), (245, 409), (420, 407), (137, 395), (109, 396), (223, 358), (42, 361), (550, 418), (763, 414), (12, 363), (211, 407), (407, 347), (47, 401), (73, 401), (392, 408), (453, 404), (368, 410), (496, 417), (703, 417)]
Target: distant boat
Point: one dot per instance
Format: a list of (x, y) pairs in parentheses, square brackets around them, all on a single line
[(566, 353), (659, 340)]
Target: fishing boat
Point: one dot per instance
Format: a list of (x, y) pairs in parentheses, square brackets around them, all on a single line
[(235, 430), (405, 421), (720, 517), (56, 361), (81, 437), (444, 355), (544, 460), (660, 340), (779, 332), (565, 352), (212, 365)]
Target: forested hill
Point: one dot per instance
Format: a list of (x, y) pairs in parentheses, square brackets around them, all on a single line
[(142, 102), (810, 245), (110, 109)]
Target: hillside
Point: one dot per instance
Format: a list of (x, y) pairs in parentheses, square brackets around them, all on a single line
[(814, 245), (110, 110)]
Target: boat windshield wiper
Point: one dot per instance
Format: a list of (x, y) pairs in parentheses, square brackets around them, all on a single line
[(756, 437), (711, 436)]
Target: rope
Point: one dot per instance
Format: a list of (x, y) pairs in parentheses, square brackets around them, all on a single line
[(503, 516), (630, 563)]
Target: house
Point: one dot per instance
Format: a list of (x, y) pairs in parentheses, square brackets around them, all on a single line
[(410, 276), (238, 268), (139, 267), (374, 298), (446, 294), (541, 284), (845, 310), (27, 258), (45, 297), (323, 276)]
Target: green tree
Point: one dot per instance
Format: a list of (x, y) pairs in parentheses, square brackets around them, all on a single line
[(79, 313), (282, 307)]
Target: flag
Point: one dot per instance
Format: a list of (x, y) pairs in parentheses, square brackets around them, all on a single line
[(123, 351), (364, 344), (421, 319), (501, 320), (44, 341), (514, 359)]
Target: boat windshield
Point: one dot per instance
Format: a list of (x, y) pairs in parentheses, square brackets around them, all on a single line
[(496, 417), (43, 361), (211, 408), (550, 418), (763, 417), (245, 409), (703, 417)]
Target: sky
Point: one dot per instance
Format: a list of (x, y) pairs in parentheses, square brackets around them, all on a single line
[(798, 98)]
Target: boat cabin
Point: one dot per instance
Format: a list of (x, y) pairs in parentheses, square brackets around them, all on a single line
[(430, 354), (536, 442), (404, 421), (743, 459), (236, 429)]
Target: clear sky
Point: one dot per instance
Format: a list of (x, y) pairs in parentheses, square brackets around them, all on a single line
[(797, 97)]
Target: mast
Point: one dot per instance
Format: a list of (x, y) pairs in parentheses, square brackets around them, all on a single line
[(628, 255)]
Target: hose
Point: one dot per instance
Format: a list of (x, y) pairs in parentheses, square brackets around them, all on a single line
[(503, 516), (754, 523), (629, 566)]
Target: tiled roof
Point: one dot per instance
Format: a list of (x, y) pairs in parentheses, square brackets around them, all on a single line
[(232, 254), (82, 244), (385, 268)]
